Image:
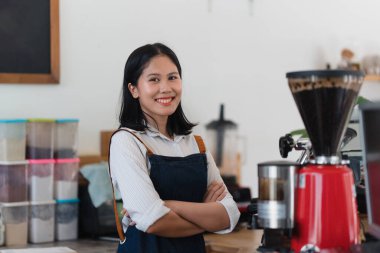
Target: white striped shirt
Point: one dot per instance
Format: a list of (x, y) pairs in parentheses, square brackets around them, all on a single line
[(130, 170)]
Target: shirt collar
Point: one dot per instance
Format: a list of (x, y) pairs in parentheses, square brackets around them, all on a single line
[(153, 132)]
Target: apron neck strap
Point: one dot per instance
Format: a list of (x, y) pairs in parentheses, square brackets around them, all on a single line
[(149, 153), (116, 213), (200, 143)]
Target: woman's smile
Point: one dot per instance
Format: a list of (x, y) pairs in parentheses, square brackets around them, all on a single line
[(165, 101)]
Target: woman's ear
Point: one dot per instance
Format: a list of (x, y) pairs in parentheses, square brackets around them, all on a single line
[(133, 90)]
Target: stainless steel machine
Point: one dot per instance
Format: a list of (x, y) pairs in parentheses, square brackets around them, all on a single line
[(277, 182)]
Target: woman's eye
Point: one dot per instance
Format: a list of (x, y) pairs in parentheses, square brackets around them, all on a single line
[(154, 80), (173, 77)]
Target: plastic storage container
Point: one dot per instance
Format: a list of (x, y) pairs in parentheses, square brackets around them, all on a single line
[(12, 139), (13, 181), (66, 219), (41, 221), (15, 218), (66, 138), (41, 179), (66, 178), (2, 230), (40, 138)]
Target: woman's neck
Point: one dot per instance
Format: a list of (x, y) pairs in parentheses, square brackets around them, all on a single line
[(160, 124)]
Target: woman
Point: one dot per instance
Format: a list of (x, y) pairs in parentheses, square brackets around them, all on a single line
[(170, 186)]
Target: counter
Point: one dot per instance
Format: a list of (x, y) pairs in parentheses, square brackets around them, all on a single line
[(241, 241)]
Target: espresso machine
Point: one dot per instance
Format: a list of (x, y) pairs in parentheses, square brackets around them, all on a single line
[(325, 210)]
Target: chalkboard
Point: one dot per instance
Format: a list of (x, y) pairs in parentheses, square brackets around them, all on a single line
[(29, 41)]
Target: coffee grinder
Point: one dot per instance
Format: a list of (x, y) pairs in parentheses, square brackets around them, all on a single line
[(275, 205), (325, 206)]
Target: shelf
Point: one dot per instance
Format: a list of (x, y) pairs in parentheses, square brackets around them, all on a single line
[(372, 78)]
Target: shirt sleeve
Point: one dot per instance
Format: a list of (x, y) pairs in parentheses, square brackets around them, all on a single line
[(228, 202), (129, 173)]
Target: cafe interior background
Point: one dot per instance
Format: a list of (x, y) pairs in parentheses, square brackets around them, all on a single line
[(232, 52)]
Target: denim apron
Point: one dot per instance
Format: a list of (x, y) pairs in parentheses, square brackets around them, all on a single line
[(174, 178)]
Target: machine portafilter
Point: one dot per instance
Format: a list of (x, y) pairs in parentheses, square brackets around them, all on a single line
[(287, 144)]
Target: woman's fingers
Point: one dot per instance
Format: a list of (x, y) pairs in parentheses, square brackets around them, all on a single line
[(126, 214), (221, 196), (218, 192), (215, 192), (209, 191)]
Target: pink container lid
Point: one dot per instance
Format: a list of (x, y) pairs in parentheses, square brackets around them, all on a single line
[(69, 160), (41, 161)]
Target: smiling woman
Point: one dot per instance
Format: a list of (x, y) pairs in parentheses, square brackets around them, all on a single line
[(153, 68), (171, 189), (159, 90)]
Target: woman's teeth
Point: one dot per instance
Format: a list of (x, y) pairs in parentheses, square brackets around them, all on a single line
[(164, 100)]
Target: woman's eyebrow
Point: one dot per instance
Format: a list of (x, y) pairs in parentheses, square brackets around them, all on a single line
[(157, 74), (153, 74)]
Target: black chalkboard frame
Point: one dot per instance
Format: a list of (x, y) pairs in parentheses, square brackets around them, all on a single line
[(42, 78)]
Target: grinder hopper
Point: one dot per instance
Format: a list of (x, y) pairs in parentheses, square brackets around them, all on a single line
[(325, 100)]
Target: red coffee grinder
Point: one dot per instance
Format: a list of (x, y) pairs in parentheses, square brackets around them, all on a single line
[(325, 206)]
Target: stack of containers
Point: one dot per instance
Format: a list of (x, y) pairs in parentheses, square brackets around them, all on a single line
[(13, 183), (39, 152), (66, 179)]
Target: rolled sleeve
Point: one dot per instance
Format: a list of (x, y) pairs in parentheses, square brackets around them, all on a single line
[(228, 201), (156, 211), (232, 211), (130, 174)]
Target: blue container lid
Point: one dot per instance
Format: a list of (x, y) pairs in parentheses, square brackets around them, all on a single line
[(13, 120), (66, 201), (66, 120)]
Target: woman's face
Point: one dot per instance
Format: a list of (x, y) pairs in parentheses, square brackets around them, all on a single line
[(159, 88)]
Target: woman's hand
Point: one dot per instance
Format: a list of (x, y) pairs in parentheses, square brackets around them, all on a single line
[(126, 214), (216, 191), (208, 215)]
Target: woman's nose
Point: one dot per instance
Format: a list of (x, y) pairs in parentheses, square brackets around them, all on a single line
[(165, 86)]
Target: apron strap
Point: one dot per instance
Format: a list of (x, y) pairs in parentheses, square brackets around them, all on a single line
[(200, 143), (149, 153)]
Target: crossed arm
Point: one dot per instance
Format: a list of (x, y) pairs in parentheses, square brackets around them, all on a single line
[(184, 218), (189, 218)]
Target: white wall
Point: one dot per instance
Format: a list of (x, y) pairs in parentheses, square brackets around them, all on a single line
[(227, 56)]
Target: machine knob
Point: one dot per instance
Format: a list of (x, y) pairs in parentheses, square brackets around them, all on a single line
[(286, 145)]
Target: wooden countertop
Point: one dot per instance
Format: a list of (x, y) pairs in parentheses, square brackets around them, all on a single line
[(242, 241)]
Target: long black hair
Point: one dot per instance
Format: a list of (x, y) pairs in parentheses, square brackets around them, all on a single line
[(131, 114)]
